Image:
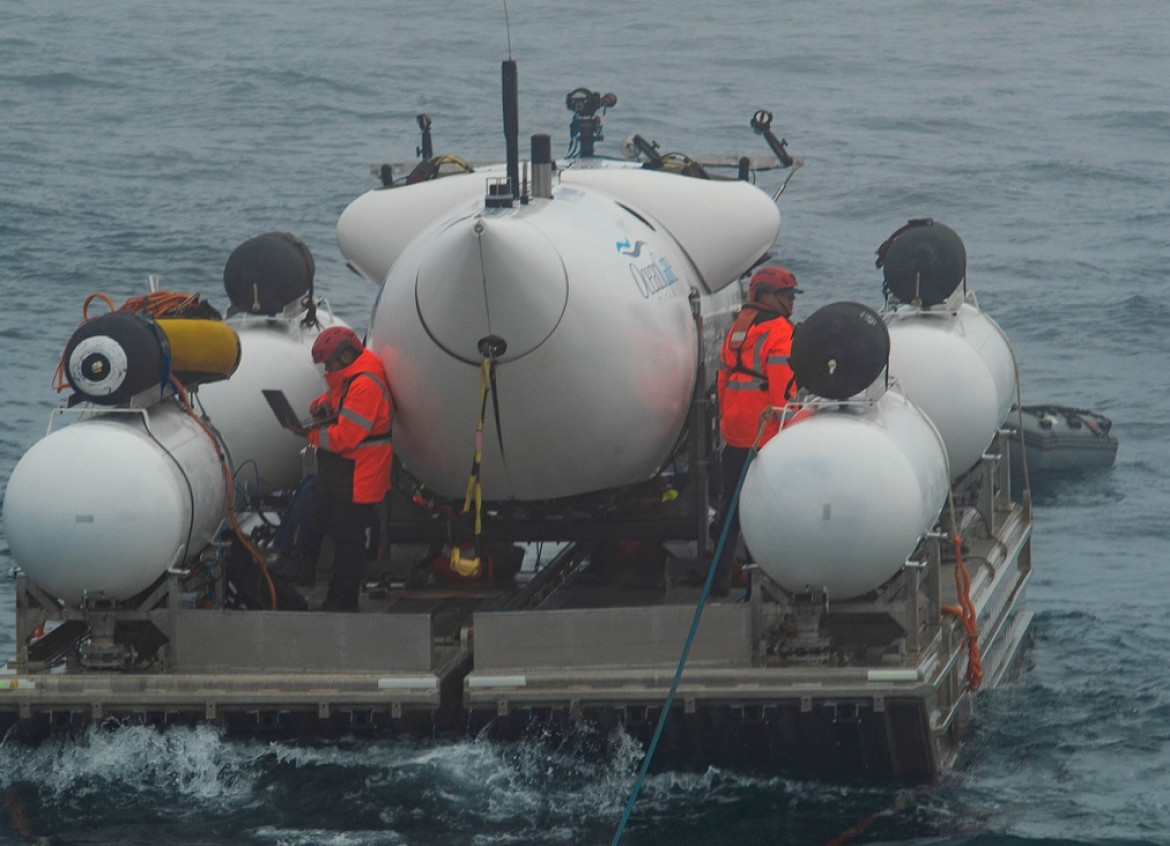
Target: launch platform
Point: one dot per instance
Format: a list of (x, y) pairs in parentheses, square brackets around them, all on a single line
[(877, 685)]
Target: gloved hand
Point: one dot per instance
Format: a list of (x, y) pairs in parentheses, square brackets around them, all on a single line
[(321, 409)]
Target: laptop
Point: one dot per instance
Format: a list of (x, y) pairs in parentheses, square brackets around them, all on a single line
[(283, 410)]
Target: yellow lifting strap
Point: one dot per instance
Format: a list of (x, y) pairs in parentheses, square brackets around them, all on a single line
[(471, 566)]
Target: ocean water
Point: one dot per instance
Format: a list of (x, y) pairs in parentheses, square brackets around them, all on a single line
[(141, 138)]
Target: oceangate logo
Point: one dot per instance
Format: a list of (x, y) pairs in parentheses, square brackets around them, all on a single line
[(625, 249), (653, 276)]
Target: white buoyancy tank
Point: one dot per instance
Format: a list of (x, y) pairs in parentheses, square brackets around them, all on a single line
[(376, 227), (275, 353), (840, 498), (104, 505), (587, 306), (958, 366), (720, 222)]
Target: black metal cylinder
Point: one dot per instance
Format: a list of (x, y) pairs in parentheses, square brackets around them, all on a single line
[(541, 149), (512, 123)]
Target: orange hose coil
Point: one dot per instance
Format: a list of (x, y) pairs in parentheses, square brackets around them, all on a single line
[(965, 611)]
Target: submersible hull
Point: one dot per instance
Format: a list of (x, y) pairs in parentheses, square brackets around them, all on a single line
[(866, 664)]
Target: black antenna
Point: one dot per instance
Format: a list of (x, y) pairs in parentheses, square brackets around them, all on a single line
[(512, 125), (508, 27)]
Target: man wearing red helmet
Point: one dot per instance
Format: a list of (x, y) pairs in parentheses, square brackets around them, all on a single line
[(754, 377), (353, 454)]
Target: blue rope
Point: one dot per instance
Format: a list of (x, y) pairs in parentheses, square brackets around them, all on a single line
[(682, 661)]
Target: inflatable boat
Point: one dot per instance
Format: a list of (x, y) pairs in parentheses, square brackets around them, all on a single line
[(1057, 439)]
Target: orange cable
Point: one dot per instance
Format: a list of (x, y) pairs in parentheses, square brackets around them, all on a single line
[(860, 826), (96, 295), (159, 303), (965, 611)]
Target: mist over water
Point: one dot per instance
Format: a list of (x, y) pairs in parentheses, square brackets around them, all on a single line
[(154, 138)]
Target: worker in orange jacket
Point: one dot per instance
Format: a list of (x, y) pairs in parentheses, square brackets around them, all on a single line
[(754, 376), (353, 454)]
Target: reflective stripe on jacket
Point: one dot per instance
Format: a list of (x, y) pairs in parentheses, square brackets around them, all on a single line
[(754, 379), (361, 432)]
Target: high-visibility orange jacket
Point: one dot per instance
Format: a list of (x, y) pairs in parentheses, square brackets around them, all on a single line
[(754, 378), (361, 433)]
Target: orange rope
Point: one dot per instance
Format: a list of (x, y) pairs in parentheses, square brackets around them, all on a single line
[(96, 295), (161, 303), (229, 486), (903, 800), (965, 611), (859, 827), (60, 383)]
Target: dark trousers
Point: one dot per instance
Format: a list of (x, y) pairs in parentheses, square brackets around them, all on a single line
[(346, 524), (731, 464)]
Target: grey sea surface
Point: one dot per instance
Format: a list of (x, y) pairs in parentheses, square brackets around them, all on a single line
[(140, 138)]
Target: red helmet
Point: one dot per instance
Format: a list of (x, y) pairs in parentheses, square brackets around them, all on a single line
[(770, 278), (333, 342)]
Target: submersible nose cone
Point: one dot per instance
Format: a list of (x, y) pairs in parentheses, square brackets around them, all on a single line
[(484, 279)]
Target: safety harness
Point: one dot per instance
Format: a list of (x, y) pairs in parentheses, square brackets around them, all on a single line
[(747, 317)]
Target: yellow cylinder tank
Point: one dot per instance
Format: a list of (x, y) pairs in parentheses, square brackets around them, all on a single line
[(201, 350)]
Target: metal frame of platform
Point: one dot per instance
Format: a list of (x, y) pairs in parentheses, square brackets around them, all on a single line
[(901, 703), (873, 685)]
